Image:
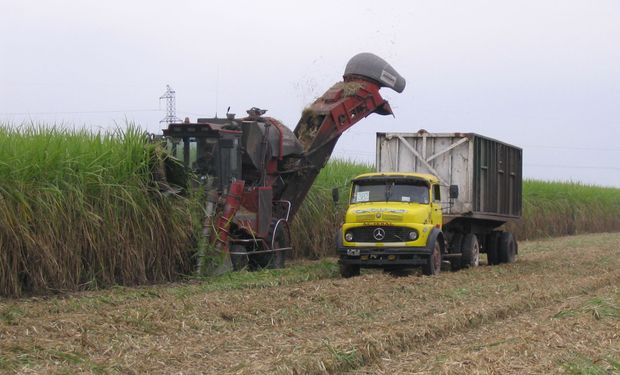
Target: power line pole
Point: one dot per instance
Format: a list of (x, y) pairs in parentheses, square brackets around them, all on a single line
[(171, 106)]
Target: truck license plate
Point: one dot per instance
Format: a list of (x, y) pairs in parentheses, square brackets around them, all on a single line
[(353, 252)]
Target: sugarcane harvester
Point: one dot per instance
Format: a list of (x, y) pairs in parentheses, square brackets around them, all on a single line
[(257, 171)]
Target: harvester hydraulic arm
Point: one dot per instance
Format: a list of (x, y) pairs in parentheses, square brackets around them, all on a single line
[(341, 107)]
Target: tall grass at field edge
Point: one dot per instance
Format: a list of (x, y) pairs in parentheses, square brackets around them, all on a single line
[(80, 210), (552, 209)]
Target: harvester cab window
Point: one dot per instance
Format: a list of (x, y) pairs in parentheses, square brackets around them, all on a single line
[(203, 159)]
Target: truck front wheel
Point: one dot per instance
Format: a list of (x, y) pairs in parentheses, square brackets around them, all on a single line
[(433, 263), (349, 270)]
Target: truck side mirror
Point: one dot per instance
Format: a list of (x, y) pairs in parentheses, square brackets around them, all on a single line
[(454, 191), (335, 195)]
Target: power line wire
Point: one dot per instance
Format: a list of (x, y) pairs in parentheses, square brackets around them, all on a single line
[(79, 112)]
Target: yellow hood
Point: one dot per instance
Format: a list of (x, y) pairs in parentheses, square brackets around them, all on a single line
[(392, 212)]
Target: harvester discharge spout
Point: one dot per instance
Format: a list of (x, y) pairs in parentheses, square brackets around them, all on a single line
[(341, 107), (368, 65)]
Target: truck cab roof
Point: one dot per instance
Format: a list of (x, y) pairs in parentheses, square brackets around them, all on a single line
[(396, 176)]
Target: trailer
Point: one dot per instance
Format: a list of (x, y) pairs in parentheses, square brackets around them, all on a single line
[(488, 172)]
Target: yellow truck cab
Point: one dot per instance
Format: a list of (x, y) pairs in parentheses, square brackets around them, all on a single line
[(436, 198), (393, 219)]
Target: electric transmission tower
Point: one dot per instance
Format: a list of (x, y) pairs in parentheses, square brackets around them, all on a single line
[(171, 106)]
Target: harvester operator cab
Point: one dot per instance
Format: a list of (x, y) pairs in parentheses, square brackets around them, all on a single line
[(209, 147)]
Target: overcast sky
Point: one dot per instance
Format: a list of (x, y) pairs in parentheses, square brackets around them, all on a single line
[(542, 75)]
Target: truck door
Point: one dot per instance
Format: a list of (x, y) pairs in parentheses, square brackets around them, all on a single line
[(436, 214)]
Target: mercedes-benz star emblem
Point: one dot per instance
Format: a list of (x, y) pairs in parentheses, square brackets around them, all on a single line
[(379, 234)]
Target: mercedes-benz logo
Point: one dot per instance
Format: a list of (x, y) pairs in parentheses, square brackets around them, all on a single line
[(379, 234)]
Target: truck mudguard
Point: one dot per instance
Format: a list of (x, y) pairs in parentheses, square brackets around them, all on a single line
[(434, 236)]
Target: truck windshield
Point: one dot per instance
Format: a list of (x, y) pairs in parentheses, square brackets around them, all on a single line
[(390, 191)]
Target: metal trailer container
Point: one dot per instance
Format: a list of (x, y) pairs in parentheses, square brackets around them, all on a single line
[(488, 172)]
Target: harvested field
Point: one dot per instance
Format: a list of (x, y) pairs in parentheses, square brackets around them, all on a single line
[(555, 309), (576, 335)]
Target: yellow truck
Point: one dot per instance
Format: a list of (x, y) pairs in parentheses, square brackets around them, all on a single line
[(436, 199)]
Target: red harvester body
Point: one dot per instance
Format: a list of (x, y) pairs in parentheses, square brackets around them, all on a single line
[(257, 172)]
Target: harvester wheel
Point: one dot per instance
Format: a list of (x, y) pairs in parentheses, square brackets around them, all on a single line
[(239, 261), (471, 251), (349, 270), (507, 248), (279, 238), (492, 245), (433, 263)]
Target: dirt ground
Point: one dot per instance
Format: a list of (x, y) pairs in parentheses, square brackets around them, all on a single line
[(556, 310)]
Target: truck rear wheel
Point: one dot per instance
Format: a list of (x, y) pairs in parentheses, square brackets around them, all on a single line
[(471, 251), (349, 270), (455, 248), (492, 246), (433, 263), (507, 248)]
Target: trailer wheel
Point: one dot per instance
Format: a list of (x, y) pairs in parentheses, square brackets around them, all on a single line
[(471, 251), (507, 248), (239, 261), (349, 270), (492, 246), (433, 263)]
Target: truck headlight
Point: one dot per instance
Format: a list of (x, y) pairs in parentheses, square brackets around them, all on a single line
[(348, 236), (413, 235)]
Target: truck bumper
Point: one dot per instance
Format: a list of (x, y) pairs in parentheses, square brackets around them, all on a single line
[(384, 257)]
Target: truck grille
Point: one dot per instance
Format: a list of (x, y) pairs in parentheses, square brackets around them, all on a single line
[(392, 234)]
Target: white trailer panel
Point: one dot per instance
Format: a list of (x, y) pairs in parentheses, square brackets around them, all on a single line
[(487, 172)]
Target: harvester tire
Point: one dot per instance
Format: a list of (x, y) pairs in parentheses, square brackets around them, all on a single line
[(507, 248), (471, 251), (239, 261), (433, 263), (279, 237)]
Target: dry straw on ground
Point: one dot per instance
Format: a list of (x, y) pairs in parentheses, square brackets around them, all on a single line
[(333, 325)]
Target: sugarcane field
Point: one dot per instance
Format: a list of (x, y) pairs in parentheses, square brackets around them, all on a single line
[(322, 188)]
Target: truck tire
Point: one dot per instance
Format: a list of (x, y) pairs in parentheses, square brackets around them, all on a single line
[(492, 246), (471, 251), (239, 261), (349, 270), (455, 248), (507, 248), (433, 263)]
